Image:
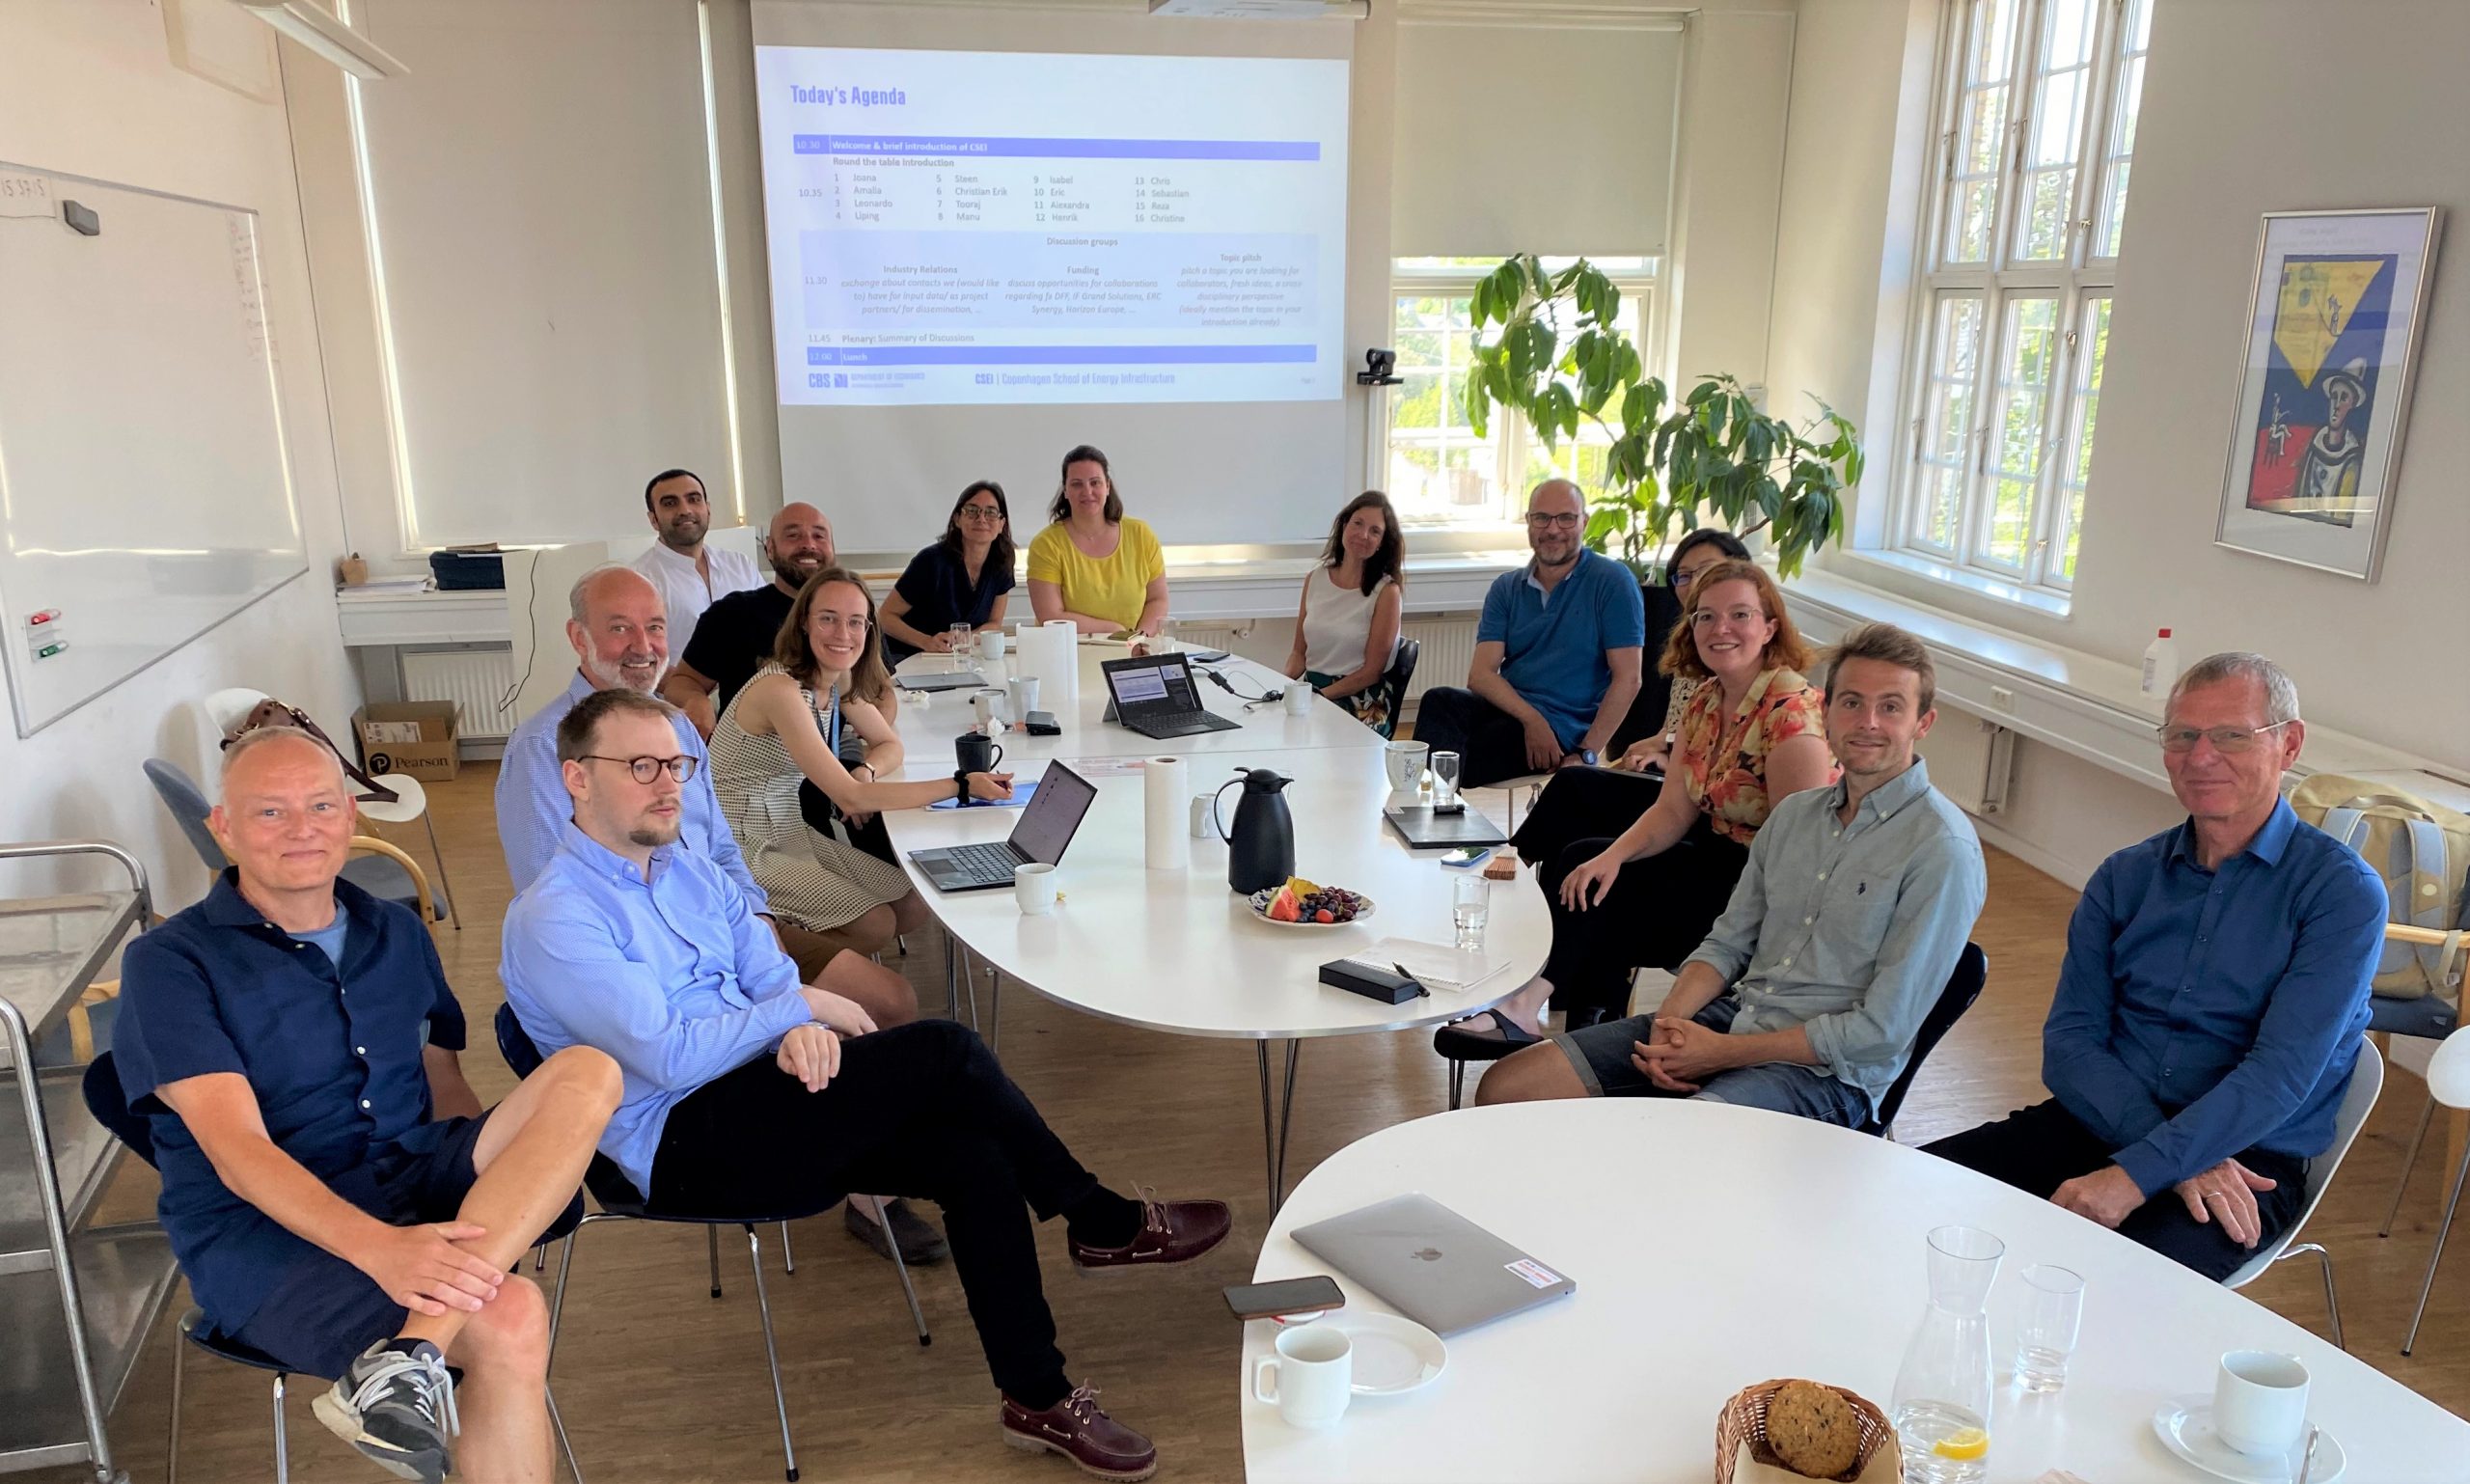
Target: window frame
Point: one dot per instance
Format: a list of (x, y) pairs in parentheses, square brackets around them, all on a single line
[(1639, 278), (2073, 281)]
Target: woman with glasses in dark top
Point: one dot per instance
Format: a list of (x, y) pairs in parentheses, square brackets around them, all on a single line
[(962, 579)]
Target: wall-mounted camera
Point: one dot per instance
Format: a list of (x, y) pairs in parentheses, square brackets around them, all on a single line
[(1380, 370)]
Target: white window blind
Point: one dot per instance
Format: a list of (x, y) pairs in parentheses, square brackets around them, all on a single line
[(1528, 137)]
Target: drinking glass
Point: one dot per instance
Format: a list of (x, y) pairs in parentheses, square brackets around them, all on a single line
[(1470, 906), (964, 642), (2046, 1336), (1940, 1404), (1445, 781)]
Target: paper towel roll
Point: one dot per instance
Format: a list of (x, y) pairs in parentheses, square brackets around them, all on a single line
[(1069, 679), (1166, 814)]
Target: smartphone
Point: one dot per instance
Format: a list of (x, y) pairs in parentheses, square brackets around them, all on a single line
[(1317, 1295), (1467, 855)]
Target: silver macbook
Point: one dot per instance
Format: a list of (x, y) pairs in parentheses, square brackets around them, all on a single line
[(1433, 1265)]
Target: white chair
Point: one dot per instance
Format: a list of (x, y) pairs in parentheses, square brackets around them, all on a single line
[(2448, 1084), (2367, 1082)]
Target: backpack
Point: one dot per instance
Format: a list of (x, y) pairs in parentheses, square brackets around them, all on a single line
[(2420, 851)]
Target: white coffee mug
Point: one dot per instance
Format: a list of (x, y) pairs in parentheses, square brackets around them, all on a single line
[(1404, 763), (1299, 699), (2260, 1402), (1313, 1377), (990, 645), (1024, 695), (1033, 888), (1205, 820), (988, 705)]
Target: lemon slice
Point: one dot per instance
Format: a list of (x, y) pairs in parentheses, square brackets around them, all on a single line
[(1965, 1442), (1300, 886)]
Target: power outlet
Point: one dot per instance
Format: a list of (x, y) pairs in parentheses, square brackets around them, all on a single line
[(2002, 698)]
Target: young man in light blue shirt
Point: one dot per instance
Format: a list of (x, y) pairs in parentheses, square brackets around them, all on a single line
[(1841, 935), (748, 1091), (1556, 659)]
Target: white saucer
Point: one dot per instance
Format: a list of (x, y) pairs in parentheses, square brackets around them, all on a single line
[(2185, 1426), (1392, 1355)]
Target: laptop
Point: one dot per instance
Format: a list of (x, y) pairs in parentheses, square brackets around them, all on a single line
[(1424, 830), (1154, 694), (1048, 823), (1433, 1265), (942, 680)]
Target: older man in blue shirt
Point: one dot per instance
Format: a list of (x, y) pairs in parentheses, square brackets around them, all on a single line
[(2209, 1013), (336, 1195), (1557, 653)]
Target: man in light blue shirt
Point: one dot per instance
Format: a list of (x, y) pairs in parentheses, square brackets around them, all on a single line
[(748, 1091), (1840, 937), (1556, 659)]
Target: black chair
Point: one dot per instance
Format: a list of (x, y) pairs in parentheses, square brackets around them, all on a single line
[(108, 1102), (387, 876), (1393, 680), (620, 1201)]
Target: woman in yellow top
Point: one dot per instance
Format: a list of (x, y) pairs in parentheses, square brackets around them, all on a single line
[(1094, 565)]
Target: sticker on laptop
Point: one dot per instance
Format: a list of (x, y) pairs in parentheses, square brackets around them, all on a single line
[(1535, 1273)]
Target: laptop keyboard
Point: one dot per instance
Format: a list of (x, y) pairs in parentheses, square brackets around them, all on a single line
[(990, 861), (1162, 720)]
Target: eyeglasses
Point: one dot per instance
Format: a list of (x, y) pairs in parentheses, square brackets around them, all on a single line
[(2224, 739), (1538, 520), (1700, 617), (647, 769), (980, 512), (830, 622)]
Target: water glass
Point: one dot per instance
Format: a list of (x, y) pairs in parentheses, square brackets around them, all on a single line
[(963, 640), (1445, 781), (2045, 1335), (1470, 906)]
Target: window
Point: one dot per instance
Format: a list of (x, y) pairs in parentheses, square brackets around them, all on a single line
[(1438, 472), (2038, 101)]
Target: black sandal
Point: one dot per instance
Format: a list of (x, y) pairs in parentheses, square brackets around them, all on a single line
[(1460, 1044)]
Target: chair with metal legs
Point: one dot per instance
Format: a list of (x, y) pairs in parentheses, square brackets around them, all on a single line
[(2367, 1082), (2448, 1084), (620, 1201)]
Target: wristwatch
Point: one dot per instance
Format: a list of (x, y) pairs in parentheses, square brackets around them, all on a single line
[(1590, 756)]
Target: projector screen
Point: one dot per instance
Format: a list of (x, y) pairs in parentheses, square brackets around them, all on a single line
[(989, 228)]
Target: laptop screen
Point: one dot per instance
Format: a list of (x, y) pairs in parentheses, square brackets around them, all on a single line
[(1165, 680), (1053, 814)]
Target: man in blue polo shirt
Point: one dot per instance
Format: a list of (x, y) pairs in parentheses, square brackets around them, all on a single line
[(334, 1192), (1556, 655), (2209, 1010)]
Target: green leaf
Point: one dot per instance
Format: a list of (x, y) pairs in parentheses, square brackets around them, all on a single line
[(1535, 276)]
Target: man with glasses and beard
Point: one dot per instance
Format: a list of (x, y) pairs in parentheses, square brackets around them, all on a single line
[(1556, 655), (2209, 1008), (737, 632), (689, 575)]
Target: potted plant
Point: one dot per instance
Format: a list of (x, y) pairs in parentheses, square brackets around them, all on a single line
[(1714, 457)]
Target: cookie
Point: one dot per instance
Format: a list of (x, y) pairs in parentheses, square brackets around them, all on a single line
[(1815, 1432)]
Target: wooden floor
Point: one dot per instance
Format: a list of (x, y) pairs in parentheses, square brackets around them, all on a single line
[(661, 1383)]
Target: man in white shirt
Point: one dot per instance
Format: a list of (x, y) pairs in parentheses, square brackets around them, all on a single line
[(688, 574)]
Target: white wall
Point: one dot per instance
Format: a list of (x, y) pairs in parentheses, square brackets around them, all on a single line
[(88, 89), (1737, 75)]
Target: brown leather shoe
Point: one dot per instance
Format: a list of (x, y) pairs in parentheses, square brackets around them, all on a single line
[(1170, 1231), (1077, 1429)]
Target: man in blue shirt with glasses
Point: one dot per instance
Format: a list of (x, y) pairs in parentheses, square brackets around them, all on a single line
[(2209, 1010)]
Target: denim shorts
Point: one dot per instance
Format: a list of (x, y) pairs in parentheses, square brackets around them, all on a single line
[(1600, 1056)]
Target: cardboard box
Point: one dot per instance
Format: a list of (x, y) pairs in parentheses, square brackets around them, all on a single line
[(418, 738)]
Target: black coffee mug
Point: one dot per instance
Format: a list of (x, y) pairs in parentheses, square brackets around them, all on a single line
[(978, 752)]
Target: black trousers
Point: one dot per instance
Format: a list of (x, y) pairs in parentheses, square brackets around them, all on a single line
[(920, 1109), (1491, 744), (1583, 804), (1655, 915), (2040, 1149)]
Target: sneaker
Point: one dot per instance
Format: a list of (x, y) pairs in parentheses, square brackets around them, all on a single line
[(1077, 1429), (919, 1242), (396, 1404), (1170, 1231)]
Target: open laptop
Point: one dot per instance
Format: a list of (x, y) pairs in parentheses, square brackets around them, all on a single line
[(1048, 823), (1431, 1264), (1154, 694)]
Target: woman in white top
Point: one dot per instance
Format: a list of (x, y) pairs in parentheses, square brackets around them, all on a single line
[(1346, 629)]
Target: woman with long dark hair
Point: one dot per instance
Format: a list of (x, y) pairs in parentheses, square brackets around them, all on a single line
[(1346, 628), (962, 579), (1094, 564)]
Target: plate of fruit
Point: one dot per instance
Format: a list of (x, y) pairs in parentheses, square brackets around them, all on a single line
[(1301, 903)]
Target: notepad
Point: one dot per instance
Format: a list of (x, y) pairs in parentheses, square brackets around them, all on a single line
[(1435, 966)]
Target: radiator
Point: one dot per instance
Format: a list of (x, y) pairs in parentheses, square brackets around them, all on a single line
[(1449, 649), (478, 680), (1969, 758)]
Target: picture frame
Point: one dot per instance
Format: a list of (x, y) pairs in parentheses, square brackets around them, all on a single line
[(2333, 329)]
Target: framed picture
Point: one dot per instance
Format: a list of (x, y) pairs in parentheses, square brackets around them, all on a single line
[(2332, 331)]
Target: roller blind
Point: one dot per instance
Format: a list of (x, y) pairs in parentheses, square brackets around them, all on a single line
[(1539, 138), (544, 216)]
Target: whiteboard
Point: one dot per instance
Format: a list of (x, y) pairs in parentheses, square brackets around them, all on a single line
[(145, 491)]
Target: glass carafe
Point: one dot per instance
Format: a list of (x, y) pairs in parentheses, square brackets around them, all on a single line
[(1940, 1406)]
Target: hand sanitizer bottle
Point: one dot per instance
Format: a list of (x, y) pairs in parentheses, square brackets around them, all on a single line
[(2160, 664)]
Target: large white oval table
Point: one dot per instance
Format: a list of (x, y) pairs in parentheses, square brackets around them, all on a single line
[(1176, 951), (1714, 1248)]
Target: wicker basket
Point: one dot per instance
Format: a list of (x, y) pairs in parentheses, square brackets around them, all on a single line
[(1744, 1456)]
